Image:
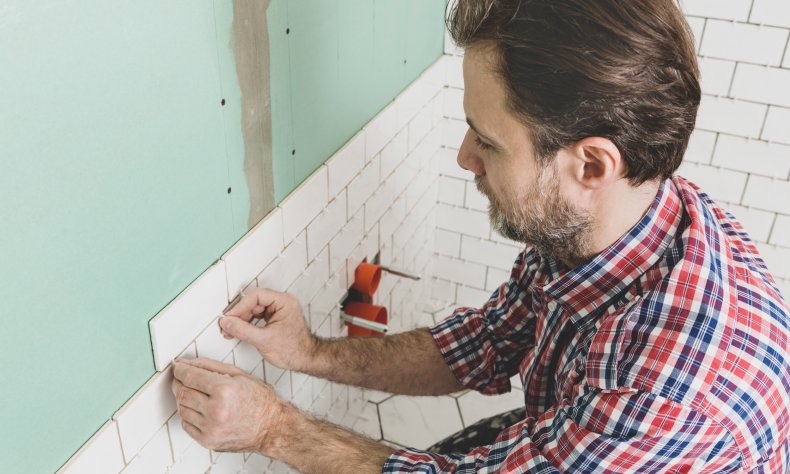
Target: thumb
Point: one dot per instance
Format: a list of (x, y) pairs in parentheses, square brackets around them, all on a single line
[(240, 329)]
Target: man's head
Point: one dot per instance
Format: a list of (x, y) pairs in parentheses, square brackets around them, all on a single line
[(570, 104)]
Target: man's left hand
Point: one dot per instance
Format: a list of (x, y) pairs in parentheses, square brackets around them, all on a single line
[(223, 408)]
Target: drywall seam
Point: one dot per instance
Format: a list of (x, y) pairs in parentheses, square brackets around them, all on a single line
[(251, 50)]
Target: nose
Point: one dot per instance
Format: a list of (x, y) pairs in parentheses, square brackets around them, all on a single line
[(468, 158)]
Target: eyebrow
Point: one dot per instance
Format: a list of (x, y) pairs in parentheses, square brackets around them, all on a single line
[(472, 126)]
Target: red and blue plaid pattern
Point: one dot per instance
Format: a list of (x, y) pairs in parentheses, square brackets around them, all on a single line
[(668, 352)]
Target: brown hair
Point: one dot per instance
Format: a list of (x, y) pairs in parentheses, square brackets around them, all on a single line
[(623, 70)]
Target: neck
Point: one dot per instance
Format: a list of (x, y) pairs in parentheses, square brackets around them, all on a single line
[(620, 210)]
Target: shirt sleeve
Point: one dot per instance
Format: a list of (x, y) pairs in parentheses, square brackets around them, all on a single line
[(483, 347), (602, 432)]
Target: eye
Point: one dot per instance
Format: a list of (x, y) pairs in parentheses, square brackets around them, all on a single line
[(483, 145)]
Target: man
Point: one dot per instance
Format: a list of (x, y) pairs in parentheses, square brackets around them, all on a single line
[(646, 329)]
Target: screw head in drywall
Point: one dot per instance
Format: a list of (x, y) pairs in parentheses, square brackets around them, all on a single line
[(228, 190), (287, 31), (293, 152), (222, 102)]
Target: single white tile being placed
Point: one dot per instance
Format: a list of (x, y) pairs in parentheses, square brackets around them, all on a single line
[(304, 203), (777, 125), (254, 251), (102, 453), (326, 226), (182, 320), (346, 163), (735, 117), (211, 344), (744, 42), (142, 416)]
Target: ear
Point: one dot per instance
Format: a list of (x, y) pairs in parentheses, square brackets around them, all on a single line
[(597, 163)]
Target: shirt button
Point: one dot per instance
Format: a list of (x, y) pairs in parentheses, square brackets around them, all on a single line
[(551, 306)]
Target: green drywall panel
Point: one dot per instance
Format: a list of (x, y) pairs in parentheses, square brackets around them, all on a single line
[(114, 179), (347, 60)]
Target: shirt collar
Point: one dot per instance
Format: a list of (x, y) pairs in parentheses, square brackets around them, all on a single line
[(595, 283)]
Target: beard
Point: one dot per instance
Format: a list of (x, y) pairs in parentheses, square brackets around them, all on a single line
[(541, 217)]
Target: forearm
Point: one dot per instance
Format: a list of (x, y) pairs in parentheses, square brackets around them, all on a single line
[(314, 446), (407, 363)]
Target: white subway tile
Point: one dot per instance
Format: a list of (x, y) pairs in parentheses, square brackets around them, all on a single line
[(730, 116), (697, 26), (448, 164), (752, 156), (700, 147), (195, 459), (786, 62), (381, 200), (309, 283), (228, 463), (467, 273), (488, 253), (454, 104), (781, 231), (254, 251), (449, 45), (784, 287), (211, 344), (148, 410), (448, 243), (327, 298), (102, 453), (182, 320), (762, 84), (471, 297), (767, 194), (496, 278), (393, 218), (464, 221), (455, 71), (744, 42), (419, 127), (380, 130), (724, 9), (363, 186), (771, 12), (286, 268), (154, 457), (394, 153), (304, 203), (475, 199), (344, 242), (435, 77), (180, 441), (326, 226), (346, 164), (247, 357), (257, 463), (777, 125), (451, 190), (720, 184), (716, 75), (410, 101), (777, 259), (755, 222), (454, 132)]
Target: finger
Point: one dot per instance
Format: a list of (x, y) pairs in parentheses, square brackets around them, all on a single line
[(191, 416), (192, 431), (241, 330), (256, 302), (195, 376), (214, 367), (192, 399)]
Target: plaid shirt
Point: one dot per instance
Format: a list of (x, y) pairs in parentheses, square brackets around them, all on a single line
[(668, 352)]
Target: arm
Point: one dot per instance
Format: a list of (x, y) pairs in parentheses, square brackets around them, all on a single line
[(408, 363), (225, 409)]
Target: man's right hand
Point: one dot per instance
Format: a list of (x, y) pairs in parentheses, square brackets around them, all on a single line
[(285, 341)]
